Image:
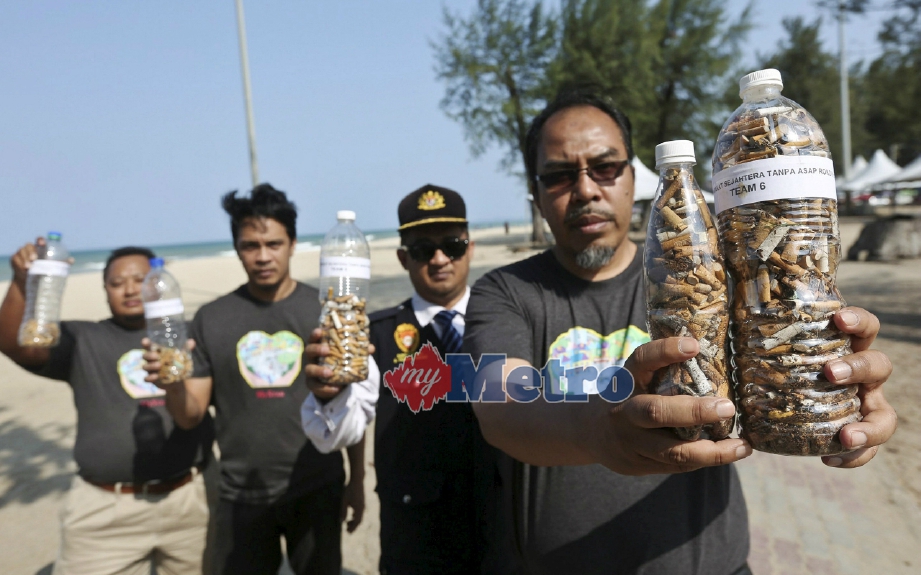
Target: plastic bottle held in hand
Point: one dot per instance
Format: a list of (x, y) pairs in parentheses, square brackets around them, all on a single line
[(686, 293), (44, 289), (778, 218), (345, 277), (166, 327)]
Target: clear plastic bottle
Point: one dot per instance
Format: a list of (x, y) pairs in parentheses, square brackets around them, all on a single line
[(686, 291), (345, 279), (166, 327), (44, 289), (777, 213)]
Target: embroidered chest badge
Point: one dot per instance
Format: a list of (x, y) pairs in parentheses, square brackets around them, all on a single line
[(407, 338)]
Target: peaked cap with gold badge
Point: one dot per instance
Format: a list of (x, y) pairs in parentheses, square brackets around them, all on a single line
[(431, 205)]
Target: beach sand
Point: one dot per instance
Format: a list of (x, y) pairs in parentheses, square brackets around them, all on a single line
[(37, 416)]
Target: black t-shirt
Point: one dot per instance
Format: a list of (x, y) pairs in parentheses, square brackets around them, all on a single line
[(253, 351), (124, 433), (588, 519)]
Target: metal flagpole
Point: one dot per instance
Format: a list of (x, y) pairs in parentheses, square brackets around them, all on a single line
[(845, 94), (247, 95)]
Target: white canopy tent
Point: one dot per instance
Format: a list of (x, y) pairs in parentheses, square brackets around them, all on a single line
[(857, 167), (907, 177), (878, 169), (646, 181)]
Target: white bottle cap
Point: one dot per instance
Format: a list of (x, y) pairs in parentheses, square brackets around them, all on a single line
[(675, 152), (347, 215), (768, 77)]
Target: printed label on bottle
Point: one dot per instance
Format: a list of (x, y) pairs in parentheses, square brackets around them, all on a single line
[(163, 308), (49, 268), (780, 178), (349, 267)]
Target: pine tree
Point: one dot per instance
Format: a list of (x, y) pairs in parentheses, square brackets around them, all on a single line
[(495, 66)]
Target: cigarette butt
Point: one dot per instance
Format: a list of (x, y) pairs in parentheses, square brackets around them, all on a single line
[(829, 305), (751, 156), (680, 290), (749, 292), (669, 192), (821, 348), (775, 287), (704, 274), (672, 218), (799, 287), (717, 307), (704, 211), (764, 284), (718, 272), (751, 127), (822, 263), (793, 269), (675, 242), (790, 252), (769, 329), (778, 350)]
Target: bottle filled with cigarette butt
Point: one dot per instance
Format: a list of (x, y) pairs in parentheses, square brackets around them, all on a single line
[(166, 327), (40, 325), (345, 279), (777, 214), (686, 294)]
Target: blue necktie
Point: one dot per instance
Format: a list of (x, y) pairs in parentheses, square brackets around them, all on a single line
[(450, 338)]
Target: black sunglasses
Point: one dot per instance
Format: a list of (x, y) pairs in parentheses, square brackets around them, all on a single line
[(602, 174), (424, 250)]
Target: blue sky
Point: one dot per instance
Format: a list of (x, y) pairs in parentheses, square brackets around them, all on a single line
[(123, 122)]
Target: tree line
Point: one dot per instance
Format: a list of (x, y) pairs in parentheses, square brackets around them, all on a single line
[(673, 66)]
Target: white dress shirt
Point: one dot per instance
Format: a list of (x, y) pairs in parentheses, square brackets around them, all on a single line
[(342, 421)]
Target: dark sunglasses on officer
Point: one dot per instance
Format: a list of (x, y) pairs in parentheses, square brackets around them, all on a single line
[(604, 174), (423, 250)]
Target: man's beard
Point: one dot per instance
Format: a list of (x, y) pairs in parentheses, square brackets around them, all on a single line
[(595, 257), (592, 257)]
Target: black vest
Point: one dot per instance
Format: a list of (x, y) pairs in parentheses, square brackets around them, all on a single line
[(415, 452), (436, 456)]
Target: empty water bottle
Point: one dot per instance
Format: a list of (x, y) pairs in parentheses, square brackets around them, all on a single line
[(47, 275), (345, 277), (165, 317)]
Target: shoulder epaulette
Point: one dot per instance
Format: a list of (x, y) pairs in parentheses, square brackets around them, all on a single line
[(386, 313)]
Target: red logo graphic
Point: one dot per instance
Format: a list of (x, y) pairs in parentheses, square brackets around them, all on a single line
[(421, 380)]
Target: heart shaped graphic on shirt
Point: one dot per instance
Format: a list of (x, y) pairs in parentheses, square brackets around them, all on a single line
[(583, 347), (270, 360), (131, 374)]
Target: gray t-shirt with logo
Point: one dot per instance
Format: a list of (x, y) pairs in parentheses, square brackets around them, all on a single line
[(253, 351), (124, 433), (588, 519)]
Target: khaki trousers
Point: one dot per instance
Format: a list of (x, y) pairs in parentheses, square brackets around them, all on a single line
[(105, 533)]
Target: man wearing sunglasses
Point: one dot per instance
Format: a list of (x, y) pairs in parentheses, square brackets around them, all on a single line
[(602, 488), (433, 467)]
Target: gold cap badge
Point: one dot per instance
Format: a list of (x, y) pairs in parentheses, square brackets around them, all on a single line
[(431, 200)]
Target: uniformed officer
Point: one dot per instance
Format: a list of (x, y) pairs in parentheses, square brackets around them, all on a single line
[(434, 470)]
